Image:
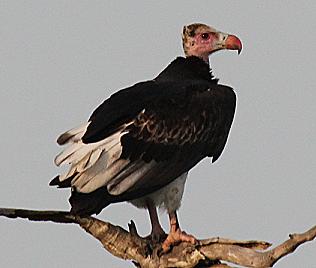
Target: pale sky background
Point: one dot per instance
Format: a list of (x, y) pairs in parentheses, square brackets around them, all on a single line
[(60, 59)]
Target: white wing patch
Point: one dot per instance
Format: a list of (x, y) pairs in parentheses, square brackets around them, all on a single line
[(92, 165), (98, 164), (129, 176), (73, 135)]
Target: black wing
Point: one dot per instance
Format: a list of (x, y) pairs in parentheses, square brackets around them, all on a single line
[(166, 116), (168, 127), (173, 126)]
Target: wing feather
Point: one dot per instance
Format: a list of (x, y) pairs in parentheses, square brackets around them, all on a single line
[(128, 177), (73, 135), (134, 148)]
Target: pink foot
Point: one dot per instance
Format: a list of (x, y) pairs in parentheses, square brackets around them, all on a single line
[(176, 237)]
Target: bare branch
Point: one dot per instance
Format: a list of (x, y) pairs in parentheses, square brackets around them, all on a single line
[(39, 215), (206, 253), (291, 244)]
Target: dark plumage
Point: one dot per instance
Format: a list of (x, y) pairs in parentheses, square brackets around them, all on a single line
[(180, 117), (139, 144)]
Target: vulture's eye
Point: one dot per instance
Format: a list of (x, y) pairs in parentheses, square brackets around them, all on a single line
[(205, 36)]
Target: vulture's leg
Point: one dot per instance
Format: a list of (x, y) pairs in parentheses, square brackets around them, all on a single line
[(175, 235), (157, 233)]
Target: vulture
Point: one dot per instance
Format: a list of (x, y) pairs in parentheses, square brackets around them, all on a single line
[(140, 143)]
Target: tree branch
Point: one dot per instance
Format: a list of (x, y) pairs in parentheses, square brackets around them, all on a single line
[(206, 253)]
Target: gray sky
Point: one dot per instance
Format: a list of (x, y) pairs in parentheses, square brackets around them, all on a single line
[(60, 59)]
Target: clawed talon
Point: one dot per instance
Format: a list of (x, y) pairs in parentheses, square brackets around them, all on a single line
[(175, 235), (175, 238)]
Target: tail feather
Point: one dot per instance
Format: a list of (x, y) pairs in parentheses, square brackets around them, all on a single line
[(73, 135), (54, 181), (88, 204), (62, 184)]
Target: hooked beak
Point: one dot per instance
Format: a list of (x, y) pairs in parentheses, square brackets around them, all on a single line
[(229, 41), (233, 43)]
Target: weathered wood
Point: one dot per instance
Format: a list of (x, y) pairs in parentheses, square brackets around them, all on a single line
[(206, 253)]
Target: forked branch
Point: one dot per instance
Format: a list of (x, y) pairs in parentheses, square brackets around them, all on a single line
[(206, 253)]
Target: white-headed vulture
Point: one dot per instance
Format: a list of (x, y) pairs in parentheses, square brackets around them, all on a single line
[(141, 142)]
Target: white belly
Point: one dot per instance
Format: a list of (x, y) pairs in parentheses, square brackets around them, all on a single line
[(168, 197)]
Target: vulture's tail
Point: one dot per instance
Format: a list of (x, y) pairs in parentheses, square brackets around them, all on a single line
[(87, 204)]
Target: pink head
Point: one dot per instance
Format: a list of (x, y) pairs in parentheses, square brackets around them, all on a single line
[(201, 41)]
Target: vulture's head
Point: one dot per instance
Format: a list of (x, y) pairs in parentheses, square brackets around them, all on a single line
[(201, 40)]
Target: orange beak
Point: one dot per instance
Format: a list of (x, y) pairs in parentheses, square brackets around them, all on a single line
[(233, 42)]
